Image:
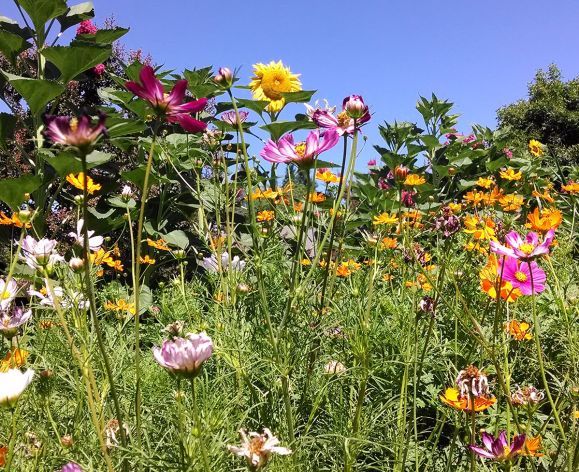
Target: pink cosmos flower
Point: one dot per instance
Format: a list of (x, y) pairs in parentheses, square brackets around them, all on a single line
[(523, 249), (230, 117), (169, 105), (499, 449), (371, 162), (10, 321), (342, 123), (521, 273), (86, 27), (184, 356), (302, 154), (77, 132), (71, 467)]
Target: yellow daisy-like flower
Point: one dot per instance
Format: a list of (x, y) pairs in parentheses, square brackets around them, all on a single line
[(121, 306), (536, 148), (147, 260), (272, 80), (571, 187), (265, 215), (385, 219), (327, 176), (78, 182), (484, 182), (510, 174), (414, 180)]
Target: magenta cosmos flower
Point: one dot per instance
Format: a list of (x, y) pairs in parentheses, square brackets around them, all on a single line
[(184, 356), (527, 276), (304, 153), (169, 105), (78, 132), (524, 249), (71, 467), (499, 449), (342, 123)]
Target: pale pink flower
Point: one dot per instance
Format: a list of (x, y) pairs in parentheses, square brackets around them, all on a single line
[(184, 356)]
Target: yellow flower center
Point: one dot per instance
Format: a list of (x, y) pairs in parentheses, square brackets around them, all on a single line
[(527, 248), (343, 119), (5, 295), (274, 83), (73, 124), (301, 149), (520, 276)]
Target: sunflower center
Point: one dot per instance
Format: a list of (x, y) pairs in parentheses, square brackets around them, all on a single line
[(274, 84), (300, 149), (520, 276), (527, 248)]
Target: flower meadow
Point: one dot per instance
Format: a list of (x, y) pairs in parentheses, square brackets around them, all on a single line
[(211, 271)]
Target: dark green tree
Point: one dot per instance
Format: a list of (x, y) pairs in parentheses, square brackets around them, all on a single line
[(550, 114)]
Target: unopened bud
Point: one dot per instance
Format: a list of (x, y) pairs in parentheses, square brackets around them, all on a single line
[(355, 107), (25, 216), (224, 77), (400, 173), (78, 199), (66, 441), (76, 264)]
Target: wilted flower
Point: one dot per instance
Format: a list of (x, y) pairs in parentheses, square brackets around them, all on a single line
[(257, 449), (78, 132), (175, 329), (499, 449), (472, 381), (527, 396), (11, 320), (524, 249), (230, 117), (304, 153), (39, 253), (448, 223), (334, 368), (66, 441), (427, 304), (169, 106), (407, 198), (8, 291), (12, 385), (212, 265), (184, 356), (271, 81), (112, 429), (71, 467), (94, 242)]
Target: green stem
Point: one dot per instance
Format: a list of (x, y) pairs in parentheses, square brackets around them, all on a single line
[(12, 442), (199, 427)]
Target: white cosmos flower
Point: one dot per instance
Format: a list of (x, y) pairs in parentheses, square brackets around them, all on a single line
[(12, 385), (40, 253), (257, 448), (94, 242), (7, 293), (211, 264)]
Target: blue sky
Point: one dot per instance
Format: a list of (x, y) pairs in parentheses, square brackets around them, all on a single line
[(481, 55)]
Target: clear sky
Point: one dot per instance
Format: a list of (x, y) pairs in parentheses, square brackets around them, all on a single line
[(481, 55)]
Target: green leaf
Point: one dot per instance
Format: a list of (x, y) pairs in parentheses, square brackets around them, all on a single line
[(302, 96), (7, 126), (12, 191), (12, 44), (137, 176), (177, 238), (73, 60), (40, 11), (257, 106), (120, 203), (76, 14), (145, 299), (67, 163), (102, 37), (36, 92), (279, 128), (12, 26)]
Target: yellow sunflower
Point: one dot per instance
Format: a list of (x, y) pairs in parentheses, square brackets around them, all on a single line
[(270, 81)]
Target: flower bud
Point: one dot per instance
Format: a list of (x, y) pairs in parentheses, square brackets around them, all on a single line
[(400, 173), (66, 441), (76, 264), (25, 216), (354, 106), (224, 77), (179, 254), (126, 193), (78, 199)]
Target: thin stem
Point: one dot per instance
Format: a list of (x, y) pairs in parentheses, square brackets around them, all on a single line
[(199, 427), (12, 442)]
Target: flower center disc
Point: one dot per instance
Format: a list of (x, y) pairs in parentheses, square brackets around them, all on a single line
[(520, 276)]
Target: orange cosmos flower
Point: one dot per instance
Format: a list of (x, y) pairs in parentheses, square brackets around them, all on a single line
[(78, 181), (147, 260), (385, 219), (265, 215), (3, 454), (544, 220), (571, 187), (489, 279), (387, 277), (317, 197), (519, 330), (414, 180), (121, 305), (268, 194), (388, 243), (532, 446), (452, 398), (14, 359), (160, 244), (298, 206), (347, 268), (493, 196), (511, 202), (326, 175), (13, 220), (510, 174), (484, 182), (474, 197), (544, 196)]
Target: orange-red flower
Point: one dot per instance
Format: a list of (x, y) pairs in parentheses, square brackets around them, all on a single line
[(519, 330), (3, 454), (452, 398), (474, 197), (347, 268), (532, 447)]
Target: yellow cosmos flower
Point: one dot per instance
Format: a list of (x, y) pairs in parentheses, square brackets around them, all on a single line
[(268, 194), (327, 176), (121, 306), (511, 202), (536, 148), (147, 260), (452, 398), (519, 330), (571, 187), (317, 197), (385, 219), (414, 180), (160, 244), (510, 174), (14, 359), (454, 207), (484, 182), (78, 180), (272, 80), (265, 215), (347, 268)]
